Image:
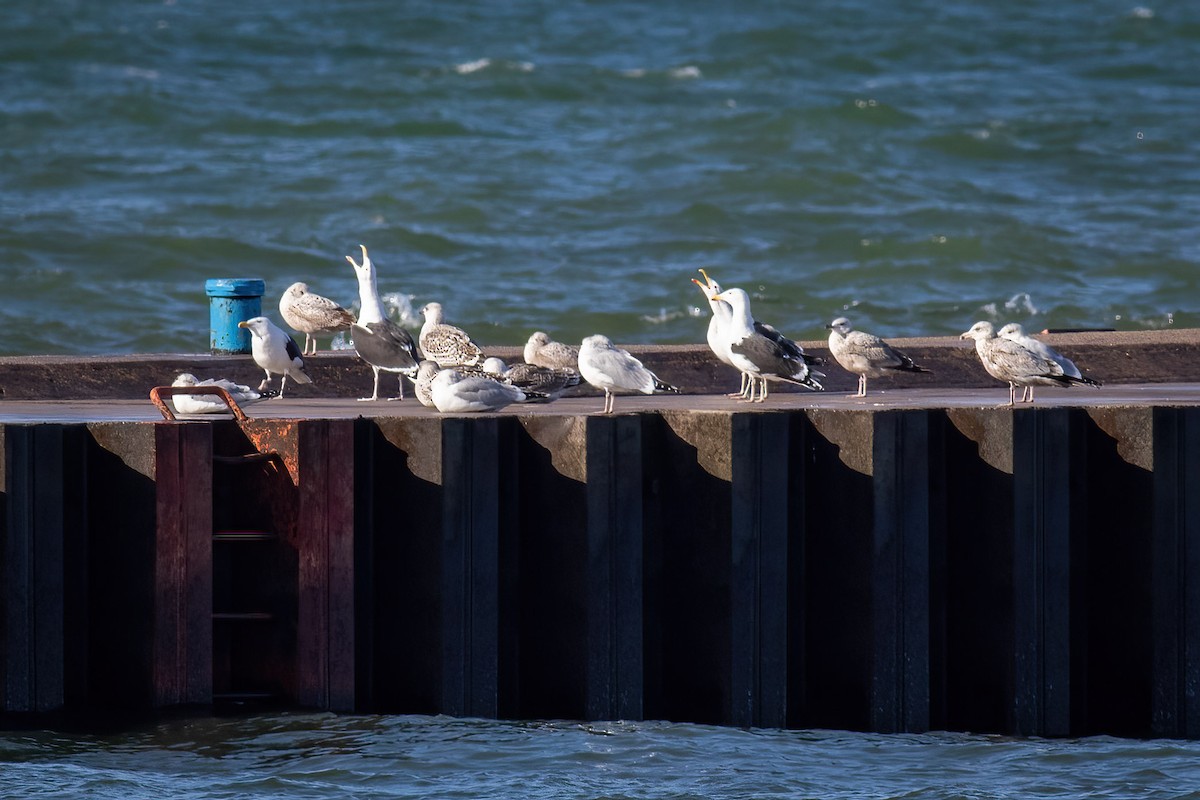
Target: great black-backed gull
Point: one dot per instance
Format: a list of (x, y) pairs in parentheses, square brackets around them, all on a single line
[(454, 392), (531, 378), (865, 354), (1015, 364), (276, 352), (444, 343), (542, 351), (383, 344), (759, 355), (210, 404), (1015, 333), (606, 366), (312, 314)]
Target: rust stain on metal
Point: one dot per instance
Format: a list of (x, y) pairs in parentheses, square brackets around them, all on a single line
[(276, 436), (158, 393)]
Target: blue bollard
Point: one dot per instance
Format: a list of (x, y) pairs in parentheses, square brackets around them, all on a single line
[(232, 300)]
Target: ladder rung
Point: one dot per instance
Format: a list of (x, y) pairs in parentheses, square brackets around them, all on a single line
[(244, 536), (233, 697), (248, 458), (245, 616)]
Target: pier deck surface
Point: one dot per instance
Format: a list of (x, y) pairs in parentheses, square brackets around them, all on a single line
[(1155, 394)]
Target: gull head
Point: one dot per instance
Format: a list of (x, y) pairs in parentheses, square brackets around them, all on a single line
[(364, 270), (1012, 330), (494, 366), (735, 297), (980, 331), (432, 312), (256, 325), (185, 379), (840, 325), (597, 342)]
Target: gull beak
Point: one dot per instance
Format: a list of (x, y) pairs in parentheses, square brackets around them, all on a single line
[(966, 335), (707, 280), (243, 324)]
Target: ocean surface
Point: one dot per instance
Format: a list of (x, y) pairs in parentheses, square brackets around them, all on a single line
[(324, 756), (567, 165)]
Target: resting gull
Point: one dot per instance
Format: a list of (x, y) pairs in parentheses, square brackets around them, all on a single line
[(423, 383), (530, 378), (447, 345), (380, 342), (608, 367), (866, 355), (452, 391), (542, 351), (276, 352), (722, 319), (1005, 360), (209, 404), (311, 314), (1015, 333), (760, 356)]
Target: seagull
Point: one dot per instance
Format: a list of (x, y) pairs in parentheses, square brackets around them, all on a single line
[(380, 342), (865, 354), (607, 367), (275, 352), (447, 345), (543, 380), (1005, 360), (721, 320), (760, 356), (453, 391), (311, 314), (1015, 333), (207, 403), (542, 351)]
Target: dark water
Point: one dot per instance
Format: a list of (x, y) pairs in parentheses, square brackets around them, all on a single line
[(323, 756), (567, 165)]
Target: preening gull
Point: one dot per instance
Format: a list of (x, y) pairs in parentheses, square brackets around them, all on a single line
[(210, 404), (866, 355), (453, 392), (423, 384), (608, 367), (1005, 360), (1015, 333), (311, 314), (758, 355), (531, 378), (380, 342), (276, 352), (719, 325), (447, 345), (542, 351)]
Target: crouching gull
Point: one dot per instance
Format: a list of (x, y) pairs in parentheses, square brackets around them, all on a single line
[(608, 367), (276, 352), (454, 392), (311, 314), (1015, 333), (1005, 360), (528, 377), (759, 355), (380, 342), (718, 340), (210, 404), (447, 345), (542, 351), (866, 355)]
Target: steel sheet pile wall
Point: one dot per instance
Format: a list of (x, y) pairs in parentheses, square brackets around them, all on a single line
[(1031, 571)]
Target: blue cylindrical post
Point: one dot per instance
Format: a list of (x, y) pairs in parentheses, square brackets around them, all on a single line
[(231, 300)]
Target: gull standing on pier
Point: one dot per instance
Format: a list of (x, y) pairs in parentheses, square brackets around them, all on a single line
[(311, 314), (542, 351), (1005, 360), (447, 345), (608, 367), (209, 404), (380, 342), (866, 355), (454, 392), (276, 352), (1015, 333), (758, 355)]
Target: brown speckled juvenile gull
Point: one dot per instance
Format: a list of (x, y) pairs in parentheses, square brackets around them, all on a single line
[(312, 314), (542, 351), (531, 378), (1005, 360), (447, 345), (865, 354)]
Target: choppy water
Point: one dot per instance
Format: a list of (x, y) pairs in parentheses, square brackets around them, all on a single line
[(325, 756), (567, 165)]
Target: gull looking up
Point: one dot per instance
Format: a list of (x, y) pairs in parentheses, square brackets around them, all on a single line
[(758, 355), (380, 342)]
